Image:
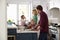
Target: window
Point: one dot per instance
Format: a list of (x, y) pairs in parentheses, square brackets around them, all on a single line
[(12, 12), (25, 9), (15, 11)]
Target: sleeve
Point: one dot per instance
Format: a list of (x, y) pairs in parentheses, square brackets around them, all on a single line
[(43, 21)]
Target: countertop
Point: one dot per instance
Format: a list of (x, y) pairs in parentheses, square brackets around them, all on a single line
[(11, 26), (26, 31), (22, 31)]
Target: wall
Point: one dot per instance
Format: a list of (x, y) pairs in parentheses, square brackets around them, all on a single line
[(3, 27), (44, 3), (54, 3), (19, 1), (55, 13)]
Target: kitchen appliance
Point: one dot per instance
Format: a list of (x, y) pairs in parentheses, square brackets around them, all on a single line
[(54, 33), (11, 37)]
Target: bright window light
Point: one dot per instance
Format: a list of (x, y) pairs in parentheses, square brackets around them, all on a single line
[(15, 11), (26, 10), (12, 12)]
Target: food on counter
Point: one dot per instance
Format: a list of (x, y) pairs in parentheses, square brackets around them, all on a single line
[(31, 25)]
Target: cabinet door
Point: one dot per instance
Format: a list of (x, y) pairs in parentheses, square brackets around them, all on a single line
[(24, 36), (11, 31), (18, 37), (34, 36)]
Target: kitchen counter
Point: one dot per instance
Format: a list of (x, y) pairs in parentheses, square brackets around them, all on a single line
[(20, 31), (11, 26), (26, 31), (26, 34)]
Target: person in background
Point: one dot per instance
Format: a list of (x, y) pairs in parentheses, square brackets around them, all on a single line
[(35, 18), (23, 20), (32, 24), (43, 23)]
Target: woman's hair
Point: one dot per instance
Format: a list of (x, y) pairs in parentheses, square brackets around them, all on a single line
[(34, 10)]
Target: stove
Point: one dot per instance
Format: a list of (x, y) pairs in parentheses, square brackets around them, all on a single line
[(54, 33)]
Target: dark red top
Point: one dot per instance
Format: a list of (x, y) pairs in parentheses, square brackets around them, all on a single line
[(43, 22)]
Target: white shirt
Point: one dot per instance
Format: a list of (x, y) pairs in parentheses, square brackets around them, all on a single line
[(23, 22)]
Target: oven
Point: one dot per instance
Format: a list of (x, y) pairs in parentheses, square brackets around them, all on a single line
[(11, 37), (54, 33), (11, 34)]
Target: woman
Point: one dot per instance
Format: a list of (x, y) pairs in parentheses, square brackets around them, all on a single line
[(35, 16)]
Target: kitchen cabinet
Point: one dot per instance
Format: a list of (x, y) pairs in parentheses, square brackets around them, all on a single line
[(21, 35), (12, 31), (26, 36)]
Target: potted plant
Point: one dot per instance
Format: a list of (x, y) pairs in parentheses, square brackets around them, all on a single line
[(9, 22)]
